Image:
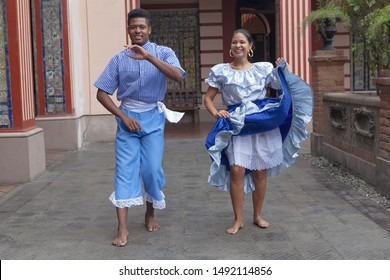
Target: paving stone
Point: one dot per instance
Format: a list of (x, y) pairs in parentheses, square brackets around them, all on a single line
[(66, 214)]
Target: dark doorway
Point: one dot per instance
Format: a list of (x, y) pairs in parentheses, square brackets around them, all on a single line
[(259, 18)]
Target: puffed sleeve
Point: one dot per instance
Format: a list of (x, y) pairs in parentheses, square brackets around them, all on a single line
[(216, 77)]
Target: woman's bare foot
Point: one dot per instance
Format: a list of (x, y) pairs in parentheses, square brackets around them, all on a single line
[(121, 239), (237, 225), (260, 222), (150, 224)]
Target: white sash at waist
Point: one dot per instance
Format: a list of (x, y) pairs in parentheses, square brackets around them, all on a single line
[(139, 106)]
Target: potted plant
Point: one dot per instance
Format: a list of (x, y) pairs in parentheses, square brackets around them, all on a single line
[(324, 19), (367, 21)]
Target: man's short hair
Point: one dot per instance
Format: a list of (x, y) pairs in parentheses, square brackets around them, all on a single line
[(139, 13)]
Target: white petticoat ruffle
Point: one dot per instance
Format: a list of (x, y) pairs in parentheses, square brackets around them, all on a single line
[(257, 151), (157, 204), (132, 202), (126, 203)]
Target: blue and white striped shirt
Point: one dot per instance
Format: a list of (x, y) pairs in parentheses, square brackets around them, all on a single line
[(138, 79)]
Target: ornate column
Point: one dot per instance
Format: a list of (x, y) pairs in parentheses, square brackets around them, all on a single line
[(327, 76), (383, 158), (22, 144)]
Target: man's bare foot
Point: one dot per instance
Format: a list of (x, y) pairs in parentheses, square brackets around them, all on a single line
[(260, 222), (235, 227), (121, 239), (150, 224)]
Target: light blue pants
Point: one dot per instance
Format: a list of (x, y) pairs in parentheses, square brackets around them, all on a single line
[(139, 155)]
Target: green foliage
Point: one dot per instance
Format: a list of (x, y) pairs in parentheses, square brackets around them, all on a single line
[(330, 13), (367, 20), (376, 37)]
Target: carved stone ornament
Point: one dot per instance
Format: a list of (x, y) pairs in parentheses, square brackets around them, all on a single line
[(338, 116), (363, 122)]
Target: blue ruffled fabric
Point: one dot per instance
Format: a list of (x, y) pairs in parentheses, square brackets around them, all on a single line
[(290, 112)]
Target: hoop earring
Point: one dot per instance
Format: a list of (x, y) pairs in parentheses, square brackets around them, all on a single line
[(231, 53), (250, 53)]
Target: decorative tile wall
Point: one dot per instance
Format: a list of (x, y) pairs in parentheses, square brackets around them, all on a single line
[(35, 64), (52, 51), (5, 94)]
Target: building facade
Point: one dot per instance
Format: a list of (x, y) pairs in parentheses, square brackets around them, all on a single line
[(52, 51)]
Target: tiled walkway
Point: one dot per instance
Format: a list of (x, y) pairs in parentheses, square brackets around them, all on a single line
[(66, 214)]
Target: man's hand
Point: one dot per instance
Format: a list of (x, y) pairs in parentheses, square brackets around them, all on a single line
[(138, 52), (132, 124), (171, 72)]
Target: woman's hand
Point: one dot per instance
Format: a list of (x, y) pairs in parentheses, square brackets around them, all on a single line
[(222, 114), (280, 60)]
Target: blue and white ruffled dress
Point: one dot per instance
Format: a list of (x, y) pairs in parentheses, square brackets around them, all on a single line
[(261, 133)]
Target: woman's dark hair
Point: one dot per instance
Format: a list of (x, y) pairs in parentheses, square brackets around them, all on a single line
[(139, 13), (246, 33)]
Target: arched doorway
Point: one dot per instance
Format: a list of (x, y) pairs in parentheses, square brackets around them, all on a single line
[(259, 17), (259, 27)]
